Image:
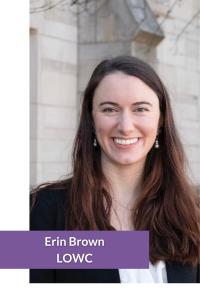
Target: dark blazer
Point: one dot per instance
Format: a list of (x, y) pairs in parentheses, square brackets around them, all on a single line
[(48, 214)]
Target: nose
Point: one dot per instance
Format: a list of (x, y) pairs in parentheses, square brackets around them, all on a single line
[(126, 123)]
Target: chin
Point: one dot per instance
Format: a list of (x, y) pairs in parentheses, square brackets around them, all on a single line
[(129, 161)]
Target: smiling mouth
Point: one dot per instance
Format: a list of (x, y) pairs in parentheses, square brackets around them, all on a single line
[(125, 142)]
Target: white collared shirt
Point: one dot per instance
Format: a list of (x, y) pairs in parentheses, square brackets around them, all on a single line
[(155, 274)]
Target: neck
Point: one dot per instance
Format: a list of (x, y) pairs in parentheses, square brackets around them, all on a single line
[(125, 181)]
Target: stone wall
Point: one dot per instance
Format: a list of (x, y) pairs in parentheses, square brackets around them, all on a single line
[(178, 64), (107, 29), (53, 88), (66, 47), (112, 31)]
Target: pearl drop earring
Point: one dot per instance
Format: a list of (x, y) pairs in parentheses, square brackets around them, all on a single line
[(95, 144), (156, 143)]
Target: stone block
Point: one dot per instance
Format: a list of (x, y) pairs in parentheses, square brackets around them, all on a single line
[(192, 153), (54, 168), (192, 63), (166, 53), (144, 52), (58, 67), (106, 30), (190, 99), (59, 50), (86, 67), (53, 151), (58, 89), (186, 111), (187, 82), (169, 26), (195, 173), (33, 121), (59, 134), (184, 11), (60, 117), (112, 26), (101, 51), (63, 13), (192, 36), (159, 7), (36, 174), (51, 177), (86, 24), (187, 48), (34, 64), (60, 30), (55, 176), (58, 171), (168, 75), (36, 120), (199, 56), (180, 24), (174, 26), (198, 177), (36, 21), (33, 150), (189, 137), (188, 124)]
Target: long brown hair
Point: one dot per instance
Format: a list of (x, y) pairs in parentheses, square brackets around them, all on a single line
[(168, 206)]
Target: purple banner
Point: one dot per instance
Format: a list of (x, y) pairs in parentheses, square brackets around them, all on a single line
[(74, 249)]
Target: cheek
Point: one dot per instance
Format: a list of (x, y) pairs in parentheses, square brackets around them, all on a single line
[(149, 127), (103, 126)]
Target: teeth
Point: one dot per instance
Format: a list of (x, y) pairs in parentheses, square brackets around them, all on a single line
[(125, 142)]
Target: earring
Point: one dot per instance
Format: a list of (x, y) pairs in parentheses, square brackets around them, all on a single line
[(95, 138), (156, 143), (95, 142)]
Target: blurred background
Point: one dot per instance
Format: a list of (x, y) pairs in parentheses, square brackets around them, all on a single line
[(69, 38)]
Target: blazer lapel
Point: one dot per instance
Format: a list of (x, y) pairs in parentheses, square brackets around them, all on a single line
[(176, 273), (179, 273)]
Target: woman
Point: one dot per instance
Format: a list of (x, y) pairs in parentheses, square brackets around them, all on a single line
[(128, 174)]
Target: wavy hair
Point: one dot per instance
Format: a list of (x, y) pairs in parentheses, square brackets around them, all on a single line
[(168, 206)]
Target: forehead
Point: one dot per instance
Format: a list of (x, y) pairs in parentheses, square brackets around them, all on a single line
[(123, 88)]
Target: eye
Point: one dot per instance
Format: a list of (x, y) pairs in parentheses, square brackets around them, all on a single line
[(141, 109), (109, 110)]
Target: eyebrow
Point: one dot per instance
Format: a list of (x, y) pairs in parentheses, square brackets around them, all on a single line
[(116, 104)]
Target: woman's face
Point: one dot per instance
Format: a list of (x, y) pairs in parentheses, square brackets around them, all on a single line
[(126, 118)]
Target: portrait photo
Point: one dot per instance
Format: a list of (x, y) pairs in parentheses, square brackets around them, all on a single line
[(115, 130)]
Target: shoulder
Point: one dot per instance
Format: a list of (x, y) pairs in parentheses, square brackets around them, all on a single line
[(198, 273), (49, 209), (182, 273)]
